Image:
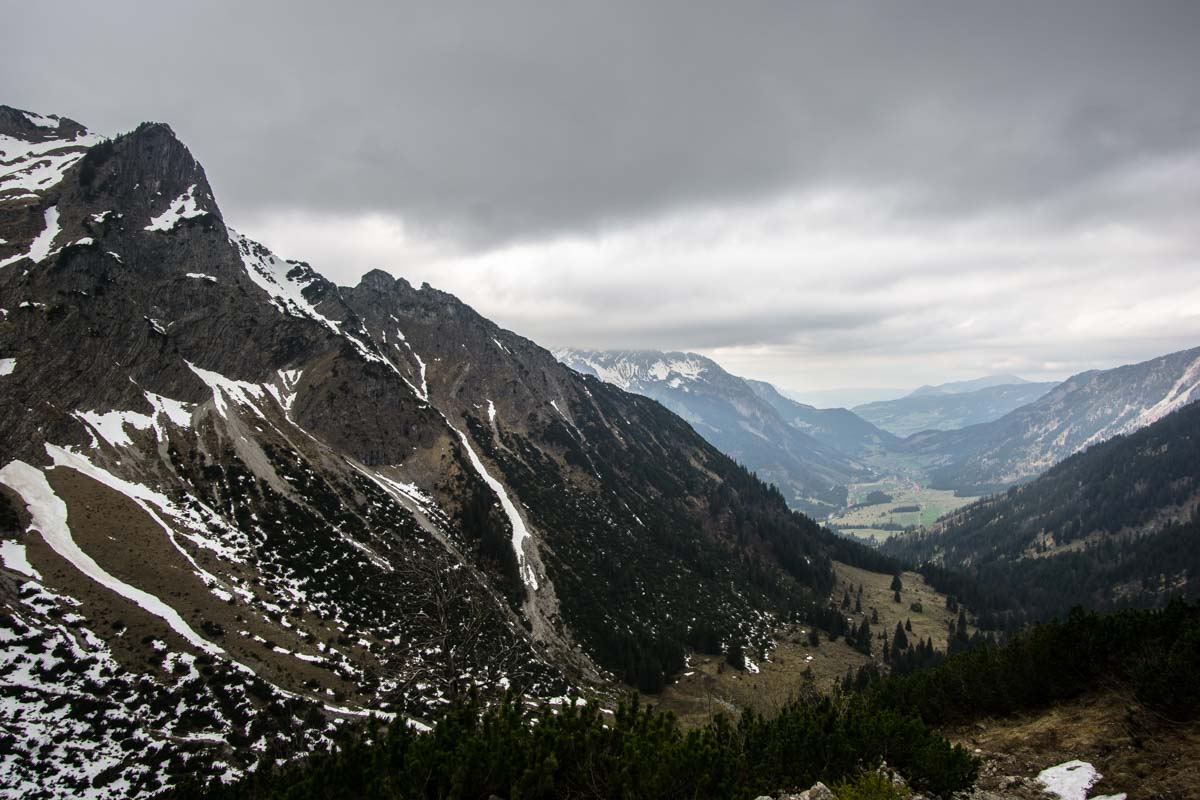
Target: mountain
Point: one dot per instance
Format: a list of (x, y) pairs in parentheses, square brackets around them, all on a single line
[(1115, 525), (837, 427), (1082, 410), (933, 408), (728, 412), (241, 506), (966, 387), (841, 398)]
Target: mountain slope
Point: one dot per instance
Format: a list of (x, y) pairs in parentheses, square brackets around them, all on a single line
[(727, 411), (837, 427), (1083, 410), (240, 505), (1112, 526), (944, 410)]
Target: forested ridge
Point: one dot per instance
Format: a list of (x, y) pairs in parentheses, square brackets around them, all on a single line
[(1114, 526)]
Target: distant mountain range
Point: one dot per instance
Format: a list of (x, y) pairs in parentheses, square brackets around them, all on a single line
[(811, 455), (1085, 409), (966, 387), (951, 406)]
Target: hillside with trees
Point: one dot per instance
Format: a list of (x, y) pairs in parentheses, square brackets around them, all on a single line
[(1114, 526)]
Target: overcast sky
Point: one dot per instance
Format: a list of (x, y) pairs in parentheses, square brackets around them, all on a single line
[(822, 195)]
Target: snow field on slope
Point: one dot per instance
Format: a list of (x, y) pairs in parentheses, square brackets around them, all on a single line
[(49, 515)]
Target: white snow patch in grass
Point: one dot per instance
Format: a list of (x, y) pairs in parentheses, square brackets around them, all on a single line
[(491, 411), (49, 514), (501, 346), (13, 555), (182, 207), (7, 365), (1070, 780), (200, 276)]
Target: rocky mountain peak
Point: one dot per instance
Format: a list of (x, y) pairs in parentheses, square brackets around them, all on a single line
[(382, 281), (30, 127), (150, 173)]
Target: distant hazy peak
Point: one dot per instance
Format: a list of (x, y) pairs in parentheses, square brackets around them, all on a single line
[(962, 387)]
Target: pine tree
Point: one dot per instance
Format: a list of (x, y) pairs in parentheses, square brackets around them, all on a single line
[(896, 584), (735, 656)]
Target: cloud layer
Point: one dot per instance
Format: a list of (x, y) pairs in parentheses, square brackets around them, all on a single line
[(818, 194)]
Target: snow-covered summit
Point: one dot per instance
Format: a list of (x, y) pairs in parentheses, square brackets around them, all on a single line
[(635, 370), (36, 151)]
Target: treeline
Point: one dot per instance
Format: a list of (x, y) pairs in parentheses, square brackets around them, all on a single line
[(511, 750), (1154, 653)]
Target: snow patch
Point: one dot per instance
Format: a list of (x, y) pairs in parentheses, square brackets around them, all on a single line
[(519, 532), (34, 167), (40, 121), (181, 208), (7, 365), (13, 555), (1072, 780), (39, 248), (225, 389), (111, 425), (49, 514), (200, 276)]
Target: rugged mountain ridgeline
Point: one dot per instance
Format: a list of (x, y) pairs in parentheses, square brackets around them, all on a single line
[(929, 408), (1085, 409), (240, 506), (1113, 526), (810, 454)]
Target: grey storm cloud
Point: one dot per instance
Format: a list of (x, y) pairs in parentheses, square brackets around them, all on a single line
[(842, 193), (503, 120)]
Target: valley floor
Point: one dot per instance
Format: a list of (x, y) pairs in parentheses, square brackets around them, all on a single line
[(710, 686)]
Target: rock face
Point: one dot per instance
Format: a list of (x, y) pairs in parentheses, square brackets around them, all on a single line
[(731, 413), (240, 505)]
